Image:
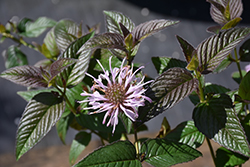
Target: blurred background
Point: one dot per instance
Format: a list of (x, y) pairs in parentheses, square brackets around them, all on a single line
[(194, 19)]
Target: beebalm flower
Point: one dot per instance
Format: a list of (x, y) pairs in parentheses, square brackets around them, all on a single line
[(123, 93)]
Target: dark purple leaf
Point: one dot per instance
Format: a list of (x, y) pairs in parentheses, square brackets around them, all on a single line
[(215, 49), (146, 29), (29, 76)]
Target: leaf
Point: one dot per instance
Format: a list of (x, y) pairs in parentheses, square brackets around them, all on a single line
[(223, 65), (209, 89), (119, 154), (215, 49), (44, 64), (94, 122), (224, 11), (114, 18), (244, 51), (22, 24), (186, 133), (214, 29), (14, 57), (80, 142), (39, 116), (74, 75), (218, 120), (165, 128), (28, 95), (225, 158), (25, 75), (65, 32), (50, 43), (187, 48), (167, 90), (244, 88), (58, 66), (105, 41), (162, 153), (232, 23), (211, 116), (105, 54), (162, 64), (62, 126), (236, 76), (146, 29), (36, 28)]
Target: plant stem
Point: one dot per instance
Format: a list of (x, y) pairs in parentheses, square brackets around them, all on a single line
[(239, 69), (211, 149), (19, 41), (238, 63), (72, 109), (136, 142), (201, 92)]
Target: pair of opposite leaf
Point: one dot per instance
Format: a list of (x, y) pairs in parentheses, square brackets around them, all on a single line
[(123, 36)]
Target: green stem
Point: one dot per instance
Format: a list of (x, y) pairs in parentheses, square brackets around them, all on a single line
[(211, 149), (238, 63), (201, 92), (136, 142), (72, 109), (19, 41), (239, 69)]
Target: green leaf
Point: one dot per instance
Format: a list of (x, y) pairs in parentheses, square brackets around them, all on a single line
[(74, 75), (215, 49), (165, 128), (14, 57), (236, 76), (28, 95), (187, 48), (211, 116), (36, 28), (39, 116), (193, 64), (105, 63), (62, 127), (146, 29), (186, 133), (244, 51), (217, 120), (244, 88), (94, 122), (232, 23), (118, 154), (167, 90), (223, 65), (50, 43), (25, 75), (65, 32), (227, 158), (22, 24), (162, 64), (209, 89), (246, 124), (163, 153), (80, 142), (114, 18)]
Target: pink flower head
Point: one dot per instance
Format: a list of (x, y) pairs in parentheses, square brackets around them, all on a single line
[(123, 93)]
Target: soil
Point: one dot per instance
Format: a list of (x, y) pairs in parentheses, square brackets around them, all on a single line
[(57, 156)]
